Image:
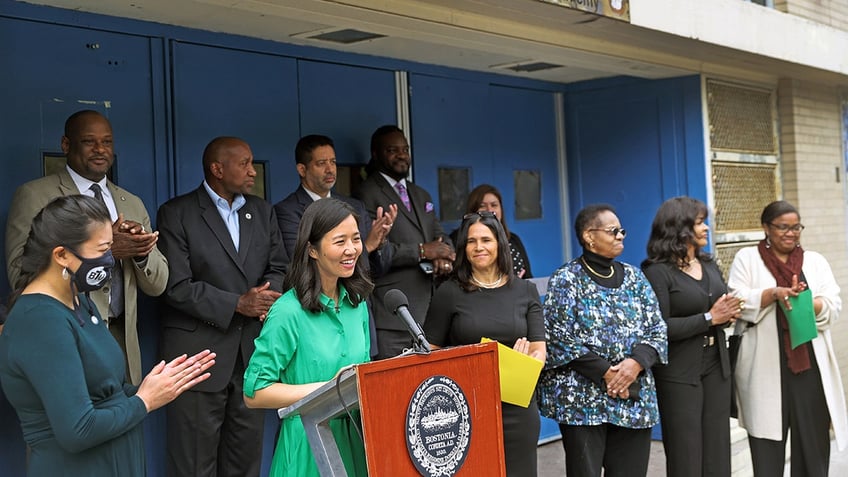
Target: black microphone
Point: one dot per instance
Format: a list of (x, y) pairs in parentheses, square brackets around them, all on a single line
[(397, 302)]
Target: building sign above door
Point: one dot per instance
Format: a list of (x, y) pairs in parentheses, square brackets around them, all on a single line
[(618, 9)]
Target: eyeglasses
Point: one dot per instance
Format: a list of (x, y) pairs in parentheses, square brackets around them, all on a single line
[(613, 231), (783, 228), (482, 214)]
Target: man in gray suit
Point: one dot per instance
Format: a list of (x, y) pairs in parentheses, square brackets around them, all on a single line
[(227, 265), (88, 146), (420, 248)]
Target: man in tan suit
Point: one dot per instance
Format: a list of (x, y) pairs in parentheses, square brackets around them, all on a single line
[(87, 144)]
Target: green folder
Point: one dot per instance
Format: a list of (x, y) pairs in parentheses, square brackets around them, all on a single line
[(802, 318)]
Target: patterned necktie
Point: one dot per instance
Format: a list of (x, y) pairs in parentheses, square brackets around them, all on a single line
[(116, 290), (98, 192), (404, 197)]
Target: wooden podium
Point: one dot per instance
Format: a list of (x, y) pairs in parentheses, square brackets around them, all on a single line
[(422, 414)]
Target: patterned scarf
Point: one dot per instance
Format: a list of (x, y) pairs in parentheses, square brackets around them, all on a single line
[(797, 359)]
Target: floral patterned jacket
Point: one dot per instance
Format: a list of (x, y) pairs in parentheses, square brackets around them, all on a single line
[(582, 316)]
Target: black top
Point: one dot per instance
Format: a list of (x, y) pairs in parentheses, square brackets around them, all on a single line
[(504, 314), (683, 302)]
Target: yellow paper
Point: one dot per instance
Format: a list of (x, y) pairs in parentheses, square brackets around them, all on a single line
[(519, 374)]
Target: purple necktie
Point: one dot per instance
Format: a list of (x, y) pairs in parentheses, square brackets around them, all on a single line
[(404, 197)]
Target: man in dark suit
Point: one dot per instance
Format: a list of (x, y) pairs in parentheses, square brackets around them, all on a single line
[(315, 158), (419, 246), (227, 265)]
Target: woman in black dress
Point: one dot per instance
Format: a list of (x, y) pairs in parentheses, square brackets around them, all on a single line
[(485, 300), (694, 387)]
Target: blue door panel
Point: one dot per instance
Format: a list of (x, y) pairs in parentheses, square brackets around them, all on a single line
[(225, 92), (346, 103), (634, 146), (524, 137), (450, 128)]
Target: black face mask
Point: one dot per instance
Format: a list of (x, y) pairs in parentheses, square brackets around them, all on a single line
[(93, 273)]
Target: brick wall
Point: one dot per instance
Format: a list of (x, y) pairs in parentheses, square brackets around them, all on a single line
[(810, 131), (829, 12)]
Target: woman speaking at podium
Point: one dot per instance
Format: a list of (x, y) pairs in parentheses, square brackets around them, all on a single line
[(317, 327), (484, 299)]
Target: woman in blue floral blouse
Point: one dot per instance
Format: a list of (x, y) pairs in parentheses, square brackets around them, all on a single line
[(604, 332)]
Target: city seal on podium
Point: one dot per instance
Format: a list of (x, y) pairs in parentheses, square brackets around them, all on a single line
[(438, 428)]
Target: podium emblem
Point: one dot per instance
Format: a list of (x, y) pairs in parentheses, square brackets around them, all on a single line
[(438, 429)]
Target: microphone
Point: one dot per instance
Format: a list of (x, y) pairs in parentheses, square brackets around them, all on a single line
[(397, 302)]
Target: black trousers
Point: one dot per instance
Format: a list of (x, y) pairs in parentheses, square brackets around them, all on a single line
[(213, 434), (695, 422), (619, 451), (805, 412)]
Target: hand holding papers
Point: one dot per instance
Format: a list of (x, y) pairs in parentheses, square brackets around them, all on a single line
[(801, 318), (518, 375)]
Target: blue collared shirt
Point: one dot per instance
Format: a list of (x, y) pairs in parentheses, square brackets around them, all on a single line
[(229, 214)]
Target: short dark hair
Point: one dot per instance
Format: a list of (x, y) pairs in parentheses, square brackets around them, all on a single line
[(588, 218), (776, 209), (318, 219), (307, 144), (673, 230), (72, 124), (65, 221), (380, 133), (463, 265), (475, 198)]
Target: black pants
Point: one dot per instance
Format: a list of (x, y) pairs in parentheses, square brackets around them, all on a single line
[(805, 412), (619, 451), (213, 434), (696, 422)]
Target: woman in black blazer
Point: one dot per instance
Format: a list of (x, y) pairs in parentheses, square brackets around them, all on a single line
[(693, 389)]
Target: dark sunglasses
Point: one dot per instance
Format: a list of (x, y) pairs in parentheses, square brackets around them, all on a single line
[(613, 231)]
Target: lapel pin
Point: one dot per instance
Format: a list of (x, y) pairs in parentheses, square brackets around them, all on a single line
[(248, 216)]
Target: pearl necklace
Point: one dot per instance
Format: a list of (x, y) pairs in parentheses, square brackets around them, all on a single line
[(482, 284)]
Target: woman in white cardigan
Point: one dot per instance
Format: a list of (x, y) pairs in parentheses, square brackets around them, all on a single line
[(780, 388)]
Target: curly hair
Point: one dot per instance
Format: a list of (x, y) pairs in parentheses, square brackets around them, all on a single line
[(673, 230)]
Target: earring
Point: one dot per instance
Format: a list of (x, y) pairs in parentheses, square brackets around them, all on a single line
[(768, 242), (797, 244), (65, 275), (591, 244)]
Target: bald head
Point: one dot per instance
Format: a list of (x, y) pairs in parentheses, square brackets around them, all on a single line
[(228, 167), (87, 144)]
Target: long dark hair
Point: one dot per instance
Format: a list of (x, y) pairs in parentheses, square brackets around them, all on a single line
[(66, 221), (475, 198), (673, 230), (463, 266), (318, 219)]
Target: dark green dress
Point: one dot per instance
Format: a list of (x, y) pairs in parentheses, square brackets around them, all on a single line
[(66, 381)]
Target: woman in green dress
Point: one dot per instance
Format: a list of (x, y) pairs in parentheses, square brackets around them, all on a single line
[(317, 327), (60, 367)]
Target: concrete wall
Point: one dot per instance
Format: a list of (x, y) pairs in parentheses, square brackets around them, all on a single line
[(828, 12), (813, 179)]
